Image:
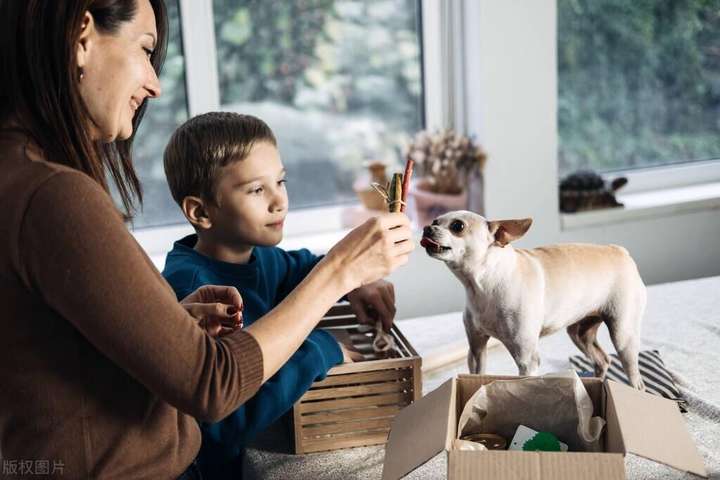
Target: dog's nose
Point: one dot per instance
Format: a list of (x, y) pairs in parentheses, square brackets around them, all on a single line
[(427, 231)]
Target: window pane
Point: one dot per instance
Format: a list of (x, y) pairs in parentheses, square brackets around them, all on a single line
[(639, 83), (163, 115), (339, 82)]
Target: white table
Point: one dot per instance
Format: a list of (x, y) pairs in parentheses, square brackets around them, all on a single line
[(682, 322)]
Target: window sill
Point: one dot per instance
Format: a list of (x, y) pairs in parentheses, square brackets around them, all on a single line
[(317, 243), (648, 204), (316, 229), (320, 228)]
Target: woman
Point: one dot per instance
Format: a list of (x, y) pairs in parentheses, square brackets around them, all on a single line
[(103, 371)]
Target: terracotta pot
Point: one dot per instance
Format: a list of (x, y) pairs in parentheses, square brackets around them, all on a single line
[(429, 205), (370, 198)]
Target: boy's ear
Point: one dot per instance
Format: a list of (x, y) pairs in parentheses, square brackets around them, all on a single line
[(505, 231), (196, 212)]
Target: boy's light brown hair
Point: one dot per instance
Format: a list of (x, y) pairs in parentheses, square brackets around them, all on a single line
[(200, 147)]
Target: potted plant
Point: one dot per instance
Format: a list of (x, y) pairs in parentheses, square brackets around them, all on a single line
[(363, 185), (444, 162)]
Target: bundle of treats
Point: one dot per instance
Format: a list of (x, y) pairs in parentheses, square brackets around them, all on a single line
[(395, 195)]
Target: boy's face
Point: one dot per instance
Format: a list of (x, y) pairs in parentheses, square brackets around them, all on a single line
[(252, 200)]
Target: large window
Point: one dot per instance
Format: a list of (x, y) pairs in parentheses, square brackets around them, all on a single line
[(163, 115), (639, 83), (339, 82)]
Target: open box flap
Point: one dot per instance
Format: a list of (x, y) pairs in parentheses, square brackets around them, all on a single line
[(651, 427), (419, 432)]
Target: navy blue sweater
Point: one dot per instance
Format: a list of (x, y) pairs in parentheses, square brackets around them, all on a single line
[(269, 276)]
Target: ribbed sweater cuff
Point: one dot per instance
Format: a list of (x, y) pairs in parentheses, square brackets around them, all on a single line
[(249, 356)]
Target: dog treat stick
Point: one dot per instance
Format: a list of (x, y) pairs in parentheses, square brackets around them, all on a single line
[(406, 182), (395, 198), (395, 193)]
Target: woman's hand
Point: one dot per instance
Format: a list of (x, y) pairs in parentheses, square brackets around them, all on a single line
[(372, 250), (217, 309)]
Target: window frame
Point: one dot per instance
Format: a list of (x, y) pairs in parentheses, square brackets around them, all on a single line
[(679, 173), (507, 48), (664, 177), (512, 69), (203, 95)]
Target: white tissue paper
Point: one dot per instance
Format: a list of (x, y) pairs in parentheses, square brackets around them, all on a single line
[(468, 445), (557, 403)]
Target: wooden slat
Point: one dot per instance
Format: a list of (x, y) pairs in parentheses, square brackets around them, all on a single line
[(354, 378), (362, 337), (351, 324), (371, 355), (349, 427), (355, 404), (352, 441), (340, 416), (417, 379), (401, 338), (364, 341), (400, 348), (363, 347), (339, 310), (329, 405), (297, 430), (345, 323), (371, 365), (357, 390)]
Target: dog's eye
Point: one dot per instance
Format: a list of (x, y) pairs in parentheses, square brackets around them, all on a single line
[(457, 226)]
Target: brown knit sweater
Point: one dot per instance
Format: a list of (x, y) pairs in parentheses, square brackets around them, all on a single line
[(101, 370)]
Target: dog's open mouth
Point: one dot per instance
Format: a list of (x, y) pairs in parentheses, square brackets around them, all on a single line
[(432, 246)]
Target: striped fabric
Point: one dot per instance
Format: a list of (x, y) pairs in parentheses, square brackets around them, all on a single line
[(652, 370)]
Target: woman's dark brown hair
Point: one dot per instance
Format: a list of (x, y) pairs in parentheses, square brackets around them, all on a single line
[(39, 83)]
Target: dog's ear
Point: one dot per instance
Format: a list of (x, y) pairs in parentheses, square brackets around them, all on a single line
[(505, 231)]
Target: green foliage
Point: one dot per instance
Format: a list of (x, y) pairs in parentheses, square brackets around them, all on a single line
[(639, 82), (338, 80), (163, 115), (264, 46), (343, 56), (543, 442), (345, 76)]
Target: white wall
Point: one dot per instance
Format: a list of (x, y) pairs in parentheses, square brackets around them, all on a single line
[(511, 105)]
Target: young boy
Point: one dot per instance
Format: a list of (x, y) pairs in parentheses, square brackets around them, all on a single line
[(225, 172)]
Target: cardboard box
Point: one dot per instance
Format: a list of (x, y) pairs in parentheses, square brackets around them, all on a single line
[(637, 422), (356, 403)]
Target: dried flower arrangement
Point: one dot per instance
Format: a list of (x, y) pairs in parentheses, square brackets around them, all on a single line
[(445, 159)]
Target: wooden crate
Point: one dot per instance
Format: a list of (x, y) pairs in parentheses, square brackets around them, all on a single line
[(356, 403)]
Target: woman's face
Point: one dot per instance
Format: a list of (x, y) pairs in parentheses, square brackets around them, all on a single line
[(117, 75)]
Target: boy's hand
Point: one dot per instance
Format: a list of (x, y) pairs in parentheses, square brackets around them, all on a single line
[(218, 309), (350, 355), (349, 352), (374, 301)]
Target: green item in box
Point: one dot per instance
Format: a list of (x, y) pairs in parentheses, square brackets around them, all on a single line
[(542, 441)]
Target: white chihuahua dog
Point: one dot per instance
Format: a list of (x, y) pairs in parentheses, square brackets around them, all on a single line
[(518, 295)]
